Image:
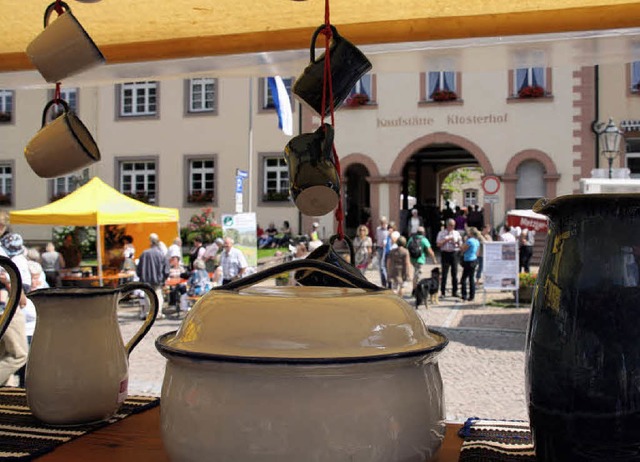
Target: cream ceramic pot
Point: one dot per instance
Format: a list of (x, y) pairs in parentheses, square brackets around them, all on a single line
[(302, 374)]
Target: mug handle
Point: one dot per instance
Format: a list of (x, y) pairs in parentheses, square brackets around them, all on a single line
[(295, 265), (50, 9), (14, 293), (352, 252), (61, 102), (312, 50), (151, 316)]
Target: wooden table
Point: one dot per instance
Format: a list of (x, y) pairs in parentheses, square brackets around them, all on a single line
[(108, 280), (137, 439)]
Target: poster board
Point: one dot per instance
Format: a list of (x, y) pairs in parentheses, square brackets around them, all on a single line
[(241, 227), (500, 265)]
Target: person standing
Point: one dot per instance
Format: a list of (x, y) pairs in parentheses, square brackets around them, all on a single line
[(52, 263), (414, 222), (469, 251), (382, 231), (153, 269), (362, 245), (398, 266), (449, 241), (210, 256), (232, 261), (196, 252), (526, 242), (425, 247), (175, 249), (70, 252)]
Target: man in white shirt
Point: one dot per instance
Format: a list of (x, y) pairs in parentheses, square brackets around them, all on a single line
[(233, 262), (507, 235), (449, 241)]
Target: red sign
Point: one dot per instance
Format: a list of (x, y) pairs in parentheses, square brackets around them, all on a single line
[(491, 184), (534, 223)]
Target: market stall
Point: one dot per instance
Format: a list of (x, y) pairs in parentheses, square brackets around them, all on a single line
[(112, 213)]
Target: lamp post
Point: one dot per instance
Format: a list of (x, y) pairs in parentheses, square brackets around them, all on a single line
[(610, 137)]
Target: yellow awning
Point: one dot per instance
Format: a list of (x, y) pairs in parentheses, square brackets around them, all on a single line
[(142, 30), (95, 203)]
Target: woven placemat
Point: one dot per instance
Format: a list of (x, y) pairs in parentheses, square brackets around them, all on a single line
[(23, 437), (487, 440)]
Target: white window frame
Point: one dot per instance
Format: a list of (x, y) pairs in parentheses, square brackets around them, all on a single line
[(7, 103), (149, 168), (70, 95), (470, 197), (6, 179), (267, 102), (202, 171), (64, 185), (528, 81), (634, 77), (441, 82), (149, 94), (281, 172), (199, 85)]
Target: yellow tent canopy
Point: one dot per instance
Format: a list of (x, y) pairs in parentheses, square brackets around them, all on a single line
[(98, 204), (95, 203)]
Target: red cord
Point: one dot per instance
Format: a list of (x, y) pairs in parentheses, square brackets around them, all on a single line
[(56, 94), (58, 7), (328, 83)]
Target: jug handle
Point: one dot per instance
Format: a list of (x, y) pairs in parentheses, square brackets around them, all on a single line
[(151, 316), (352, 253), (304, 263), (14, 293), (312, 50)]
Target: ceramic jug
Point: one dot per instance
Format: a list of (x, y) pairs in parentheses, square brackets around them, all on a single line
[(583, 340), (14, 293), (77, 370)]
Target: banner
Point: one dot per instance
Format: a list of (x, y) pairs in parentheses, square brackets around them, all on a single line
[(528, 219), (241, 227), (500, 265)]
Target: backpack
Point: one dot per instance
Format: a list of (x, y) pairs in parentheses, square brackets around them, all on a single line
[(415, 247)]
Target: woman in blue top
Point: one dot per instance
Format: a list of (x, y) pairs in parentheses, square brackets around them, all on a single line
[(469, 262)]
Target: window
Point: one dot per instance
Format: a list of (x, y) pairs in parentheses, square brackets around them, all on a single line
[(202, 95), (362, 92), (6, 106), (138, 99), (530, 80), (70, 95), (201, 180), (6, 184), (635, 77), (275, 181), (530, 186), (137, 178), (64, 185), (267, 97), (470, 197), (632, 156), (441, 86)]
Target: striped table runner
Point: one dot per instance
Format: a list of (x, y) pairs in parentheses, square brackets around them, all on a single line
[(488, 440), (22, 437)]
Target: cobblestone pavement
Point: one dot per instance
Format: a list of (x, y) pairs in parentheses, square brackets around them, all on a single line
[(482, 367)]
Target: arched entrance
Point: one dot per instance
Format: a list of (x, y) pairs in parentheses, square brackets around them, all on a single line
[(357, 197), (423, 165)]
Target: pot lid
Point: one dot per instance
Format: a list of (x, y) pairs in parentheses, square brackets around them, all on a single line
[(306, 324)]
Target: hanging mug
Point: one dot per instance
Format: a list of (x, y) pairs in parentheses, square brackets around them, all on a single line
[(63, 48), (61, 146), (348, 65), (314, 181)]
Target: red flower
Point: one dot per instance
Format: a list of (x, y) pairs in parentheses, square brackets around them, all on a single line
[(531, 91), (444, 95)]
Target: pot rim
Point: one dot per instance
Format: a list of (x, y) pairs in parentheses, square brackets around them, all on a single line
[(168, 352), (544, 205)]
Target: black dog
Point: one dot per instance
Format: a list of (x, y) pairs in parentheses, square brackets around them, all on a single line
[(428, 289)]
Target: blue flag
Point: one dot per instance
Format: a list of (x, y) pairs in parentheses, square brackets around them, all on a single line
[(282, 103)]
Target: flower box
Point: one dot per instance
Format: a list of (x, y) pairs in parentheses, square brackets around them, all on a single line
[(5, 199), (358, 99), (531, 91), (200, 196), (5, 117), (275, 196), (444, 95)]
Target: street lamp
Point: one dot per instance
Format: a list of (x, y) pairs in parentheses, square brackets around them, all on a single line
[(610, 137)]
